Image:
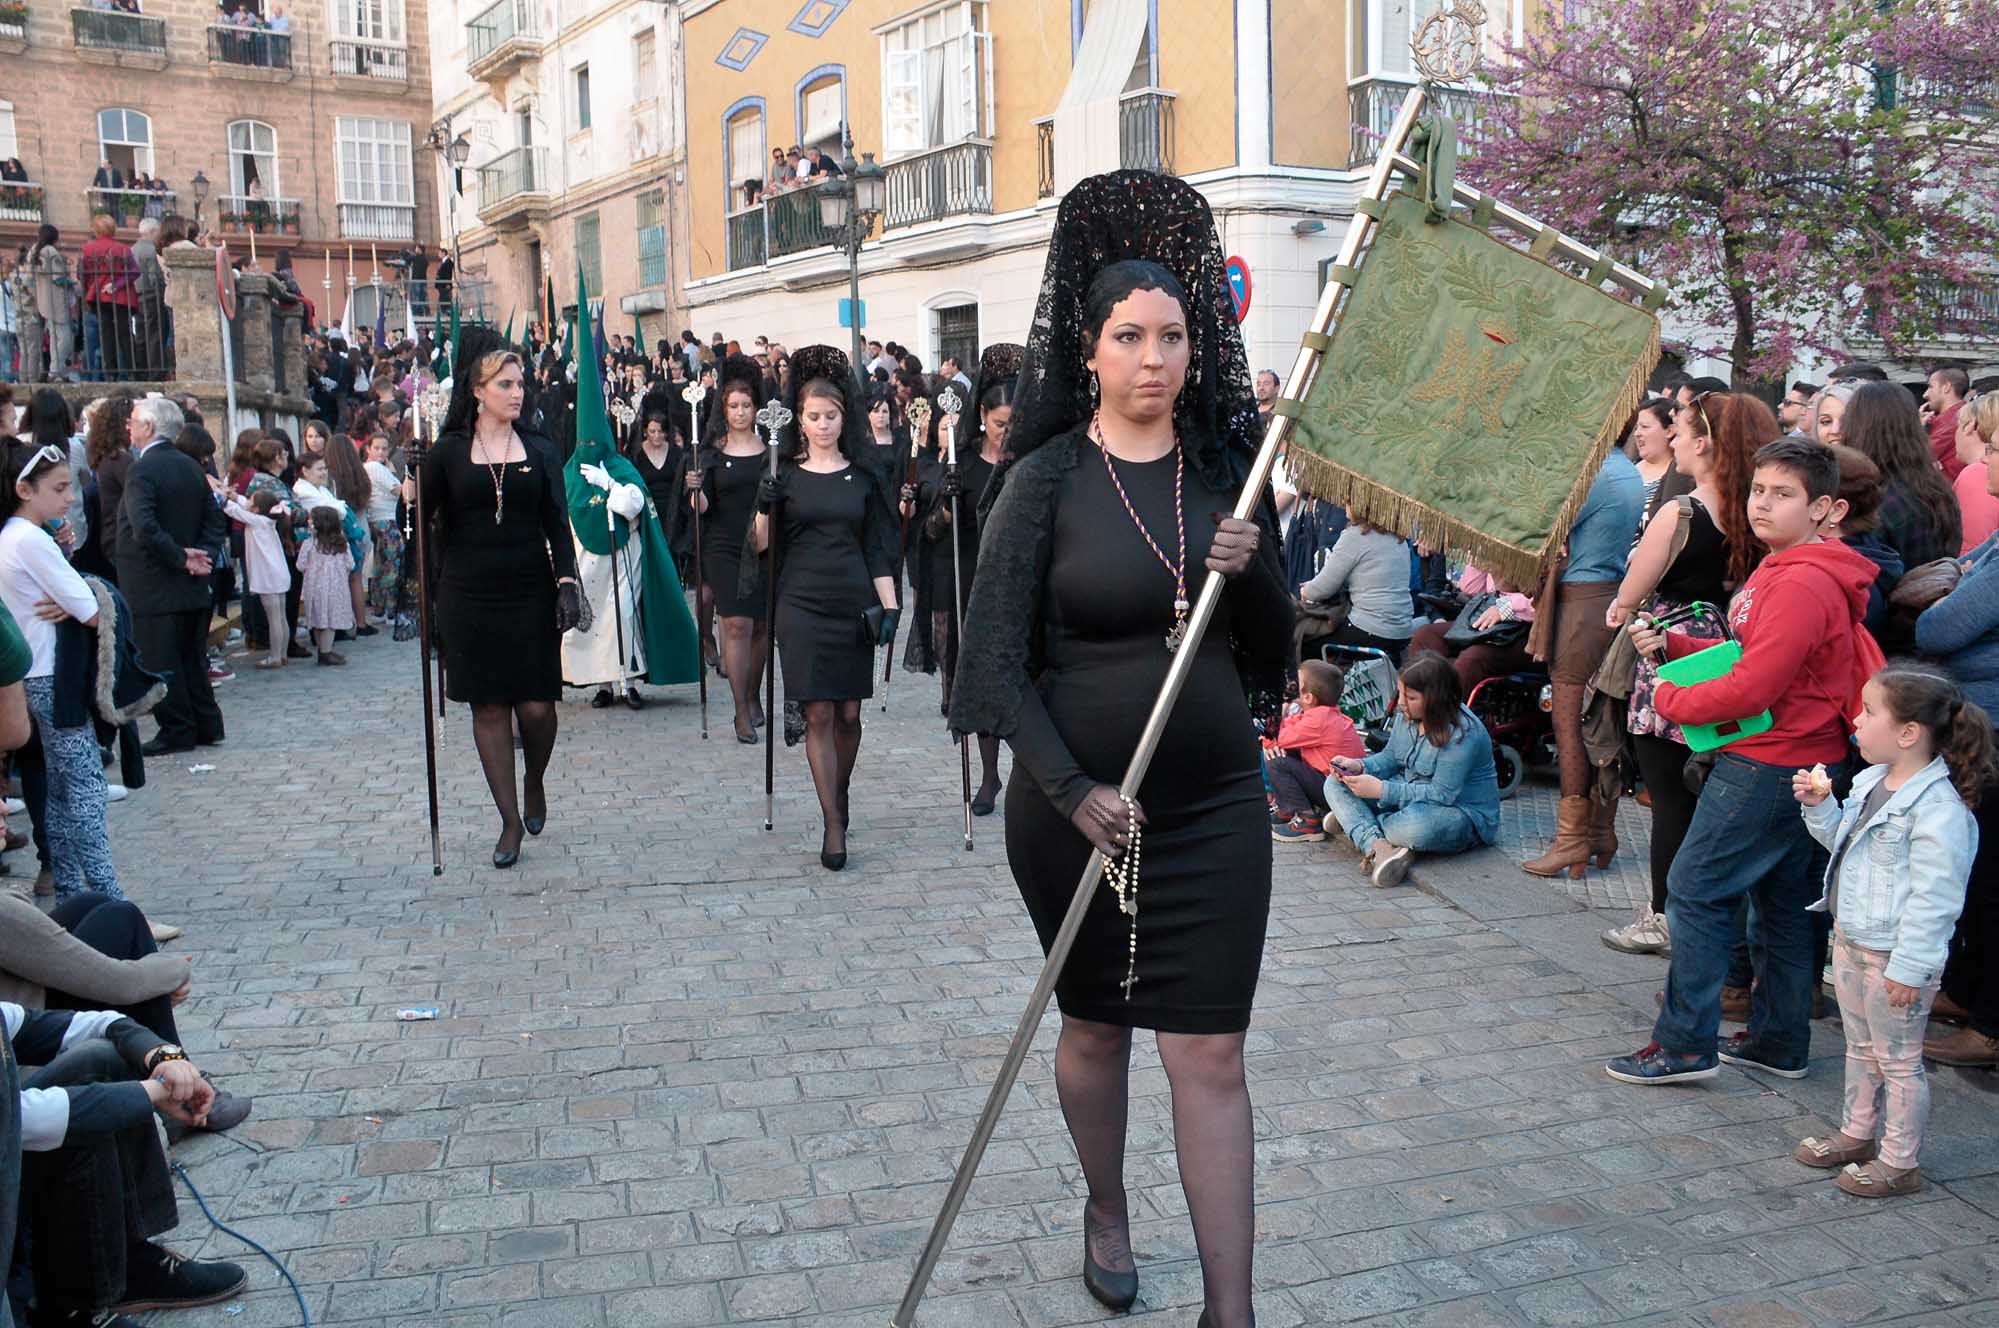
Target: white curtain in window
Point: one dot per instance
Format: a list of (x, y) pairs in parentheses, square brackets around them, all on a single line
[(253, 155), (10, 145), (746, 148), (1086, 119), (822, 113)]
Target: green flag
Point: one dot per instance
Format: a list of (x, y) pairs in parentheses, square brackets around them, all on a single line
[(508, 336), (672, 654), (1471, 393)]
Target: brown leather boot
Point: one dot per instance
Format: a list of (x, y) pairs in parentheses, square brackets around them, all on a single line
[(1967, 1047), (1571, 849), (1602, 829)]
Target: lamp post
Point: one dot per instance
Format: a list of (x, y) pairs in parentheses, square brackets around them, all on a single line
[(200, 187), (849, 205)]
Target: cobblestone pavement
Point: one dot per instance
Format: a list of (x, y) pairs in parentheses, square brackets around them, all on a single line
[(681, 1076)]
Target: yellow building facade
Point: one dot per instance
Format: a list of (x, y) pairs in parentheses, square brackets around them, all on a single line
[(981, 112)]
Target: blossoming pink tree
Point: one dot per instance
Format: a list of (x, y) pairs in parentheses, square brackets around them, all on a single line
[(1801, 172)]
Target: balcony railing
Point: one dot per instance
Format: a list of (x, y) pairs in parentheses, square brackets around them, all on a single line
[(1965, 308), (230, 44), (511, 174), (782, 224), (14, 23), (652, 256), (749, 242), (942, 182), (21, 200), (128, 206), (1373, 103), (1044, 157), (351, 58), (1145, 131), (240, 214), (118, 33), (492, 31), (378, 221)]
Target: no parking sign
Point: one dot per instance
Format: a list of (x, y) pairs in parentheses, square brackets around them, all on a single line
[(1237, 271)]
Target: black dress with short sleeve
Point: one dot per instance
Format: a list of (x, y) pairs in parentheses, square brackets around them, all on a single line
[(496, 593), (730, 482), (835, 538)]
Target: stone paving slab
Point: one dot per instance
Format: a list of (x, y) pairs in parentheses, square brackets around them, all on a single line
[(682, 1076)]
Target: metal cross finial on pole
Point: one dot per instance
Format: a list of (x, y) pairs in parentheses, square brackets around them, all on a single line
[(918, 417), (1448, 47), (949, 404), (432, 402), (693, 394), (773, 417)]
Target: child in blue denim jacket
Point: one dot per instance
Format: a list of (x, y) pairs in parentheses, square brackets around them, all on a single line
[(1902, 848)]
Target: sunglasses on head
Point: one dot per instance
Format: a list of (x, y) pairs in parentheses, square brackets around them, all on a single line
[(1699, 403), (46, 455)]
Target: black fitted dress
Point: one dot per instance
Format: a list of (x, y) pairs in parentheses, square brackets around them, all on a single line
[(834, 539), (1204, 889), (730, 482), (975, 472), (496, 594)]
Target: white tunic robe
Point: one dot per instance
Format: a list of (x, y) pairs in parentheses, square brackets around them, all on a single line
[(591, 659)]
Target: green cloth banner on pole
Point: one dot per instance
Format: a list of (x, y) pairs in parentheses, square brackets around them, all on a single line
[(1471, 393)]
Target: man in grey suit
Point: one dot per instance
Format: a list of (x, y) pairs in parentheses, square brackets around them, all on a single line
[(170, 532)]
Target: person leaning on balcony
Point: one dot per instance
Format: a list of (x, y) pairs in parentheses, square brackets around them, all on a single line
[(12, 169)]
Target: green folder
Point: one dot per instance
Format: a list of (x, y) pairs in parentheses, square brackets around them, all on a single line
[(1706, 666)]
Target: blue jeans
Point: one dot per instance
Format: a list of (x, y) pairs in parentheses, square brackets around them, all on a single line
[(1427, 827), (1747, 842), (93, 347), (10, 345)]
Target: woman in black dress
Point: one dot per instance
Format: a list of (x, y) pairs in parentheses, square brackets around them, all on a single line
[(887, 448), (497, 499), (1134, 431), (836, 590), (939, 587), (723, 485)]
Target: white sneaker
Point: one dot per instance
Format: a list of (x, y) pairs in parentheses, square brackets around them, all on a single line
[(116, 793), (1646, 935), (1391, 863), (164, 932), (15, 806)]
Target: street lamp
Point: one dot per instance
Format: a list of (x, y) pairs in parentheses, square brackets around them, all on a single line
[(849, 205), (200, 187)]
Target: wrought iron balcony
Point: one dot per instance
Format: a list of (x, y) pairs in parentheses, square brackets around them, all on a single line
[(514, 187), (1145, 131), (241, 214), (115, 37), (1044, 157), (378, 221), (21, 200), (128, 207), (250, 50), (1372, 104), (782, 224), (501, 36), (383, 62), (1968, 308), (13, 26), (941, 182), (749, 241)]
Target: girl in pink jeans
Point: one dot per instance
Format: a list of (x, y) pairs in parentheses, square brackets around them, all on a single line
[(1901, 854)]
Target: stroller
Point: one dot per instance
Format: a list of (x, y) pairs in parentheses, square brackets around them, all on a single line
[(1369, 695)]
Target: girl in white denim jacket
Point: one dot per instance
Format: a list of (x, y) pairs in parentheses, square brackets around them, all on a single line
[(1901, 855)]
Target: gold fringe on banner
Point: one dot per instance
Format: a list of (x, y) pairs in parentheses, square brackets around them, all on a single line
[(1523, 568)]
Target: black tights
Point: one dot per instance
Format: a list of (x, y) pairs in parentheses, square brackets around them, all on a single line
[(944, 638), (493, 735), (744, 641), (832, 743), (1212, 1133)]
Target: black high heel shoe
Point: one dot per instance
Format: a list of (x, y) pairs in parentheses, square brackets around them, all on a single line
[(984, 802), (534, 809), (1114, 1290), (828, 859), (504, 857)]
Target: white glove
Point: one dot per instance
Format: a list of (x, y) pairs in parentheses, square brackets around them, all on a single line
[(627, 500), (596, 475)]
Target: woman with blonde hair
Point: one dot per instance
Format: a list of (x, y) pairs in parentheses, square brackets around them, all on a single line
[(508, 576)]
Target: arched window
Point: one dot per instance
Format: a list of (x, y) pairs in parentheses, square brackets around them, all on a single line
[(125, 139), (253, 159), (743, 144), (822, 108)]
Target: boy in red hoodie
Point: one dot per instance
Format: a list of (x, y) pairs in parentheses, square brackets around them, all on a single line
[(1302, 758), (1798, 620)]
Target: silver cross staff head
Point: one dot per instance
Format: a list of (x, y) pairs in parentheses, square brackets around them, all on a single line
[(919, 416), (1447, 47), (949, 401), (693, 394), (773, 416), (435, 403), (624, 412)]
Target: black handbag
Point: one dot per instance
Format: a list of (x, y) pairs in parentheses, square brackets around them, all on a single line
[(1461, 633)]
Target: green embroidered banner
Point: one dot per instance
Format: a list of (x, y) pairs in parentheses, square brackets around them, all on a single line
[(1470, 393)]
